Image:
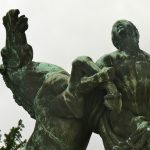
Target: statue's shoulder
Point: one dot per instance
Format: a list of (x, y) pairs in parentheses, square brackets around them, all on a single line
[(107, 60), (41, 67)]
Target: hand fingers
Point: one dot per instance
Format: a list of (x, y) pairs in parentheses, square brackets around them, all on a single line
[(11, 18)]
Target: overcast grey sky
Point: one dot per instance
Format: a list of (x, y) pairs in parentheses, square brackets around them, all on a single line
[(61, 30)]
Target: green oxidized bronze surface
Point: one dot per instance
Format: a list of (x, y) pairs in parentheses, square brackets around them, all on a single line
[(110, 97)]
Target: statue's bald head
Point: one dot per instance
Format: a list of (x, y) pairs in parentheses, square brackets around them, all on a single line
[(124, 32)]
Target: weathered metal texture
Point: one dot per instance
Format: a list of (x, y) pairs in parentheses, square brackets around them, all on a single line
[(110, 97), (130, 128)]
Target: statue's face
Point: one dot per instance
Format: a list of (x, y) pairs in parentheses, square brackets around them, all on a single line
[(10, 58), (124, 32), (121, 29)]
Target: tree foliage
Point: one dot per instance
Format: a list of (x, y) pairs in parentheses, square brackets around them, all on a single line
[(13, 140)]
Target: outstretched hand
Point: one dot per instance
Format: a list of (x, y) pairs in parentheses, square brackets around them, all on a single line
[(17, 51), (13, 22), (15, 28)]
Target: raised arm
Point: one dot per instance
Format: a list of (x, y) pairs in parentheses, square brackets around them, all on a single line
[(16, 43), (23, 76)]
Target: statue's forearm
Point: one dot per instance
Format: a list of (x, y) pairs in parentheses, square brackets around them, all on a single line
[(88, 83)]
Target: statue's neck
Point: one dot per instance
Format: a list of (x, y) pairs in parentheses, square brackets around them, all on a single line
[(131, 49)]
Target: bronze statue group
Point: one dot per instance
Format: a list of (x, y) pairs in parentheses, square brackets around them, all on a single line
[(110, 97)]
